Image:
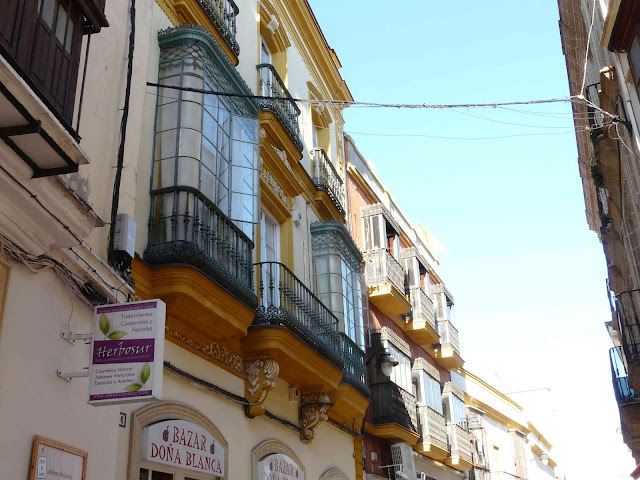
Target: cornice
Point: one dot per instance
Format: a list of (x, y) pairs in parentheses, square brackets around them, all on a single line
[(388, 335), (421, 364), (449, 387), (486, 386), (314, 50)]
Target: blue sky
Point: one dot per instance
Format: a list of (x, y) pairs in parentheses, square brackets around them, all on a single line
[(527, 274)]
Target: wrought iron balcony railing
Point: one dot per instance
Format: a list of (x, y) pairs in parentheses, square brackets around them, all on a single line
[(284, 300), (459, 442), (223, 14), (393, 404), (382, 268), (448, 334), (185, 227), (421, 305), (326, 177), (280, 102), (432, 427), (628, 310), (620, 378), (353, 359)]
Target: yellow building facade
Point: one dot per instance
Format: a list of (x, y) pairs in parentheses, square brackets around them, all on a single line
[(207, 121)]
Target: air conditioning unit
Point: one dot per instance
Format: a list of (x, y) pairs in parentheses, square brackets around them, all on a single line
[(421, 476), (402, 456)]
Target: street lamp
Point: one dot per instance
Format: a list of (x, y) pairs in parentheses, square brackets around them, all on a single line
[(386, 362), (545, 459)]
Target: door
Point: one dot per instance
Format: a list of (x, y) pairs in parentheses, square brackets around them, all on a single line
[(270, 252), (266, 77)]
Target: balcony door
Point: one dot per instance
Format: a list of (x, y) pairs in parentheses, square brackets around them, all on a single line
[(266, 77), (270, 252)]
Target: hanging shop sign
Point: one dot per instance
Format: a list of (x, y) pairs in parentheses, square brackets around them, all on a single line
[(279, 467), (55, 461), (127, 352), (183, 444)]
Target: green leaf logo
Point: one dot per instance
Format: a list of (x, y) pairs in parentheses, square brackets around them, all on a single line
[(134, 387), (104, 324), (145, 373), (116, 335)]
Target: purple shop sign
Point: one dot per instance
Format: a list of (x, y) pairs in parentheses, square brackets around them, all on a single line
[(125, 369), (123, 351), (127, 307)]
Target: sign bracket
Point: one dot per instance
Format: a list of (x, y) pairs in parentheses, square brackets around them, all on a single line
[(72, 337), (70, 375)]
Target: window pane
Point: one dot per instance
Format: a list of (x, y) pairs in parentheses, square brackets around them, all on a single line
[(69, 42), (47, 11), (61, 24)]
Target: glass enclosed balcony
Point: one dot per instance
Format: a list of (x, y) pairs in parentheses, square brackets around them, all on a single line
[(619, 376), (280, 102), (326, 178)]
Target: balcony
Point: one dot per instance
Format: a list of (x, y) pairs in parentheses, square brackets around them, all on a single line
[(279, 115), (394, 413), (385, 281), (628, 401), (433, 434), (39, 64), (448, 350), (199, 262), (460, 445), (421, 321), (297, 329), (327, 180), (222, 14), (628, 324)]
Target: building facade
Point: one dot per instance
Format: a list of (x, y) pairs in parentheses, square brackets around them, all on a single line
[(602, 50), (505, 445), (416, 424), (154, 150)]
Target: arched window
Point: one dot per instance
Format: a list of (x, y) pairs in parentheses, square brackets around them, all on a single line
[(204, 188), (172, 441), (273, 456)]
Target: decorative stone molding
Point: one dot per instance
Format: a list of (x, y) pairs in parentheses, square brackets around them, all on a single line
[(212, 349), (313, 410), (263, 133), (271, 181), (333, 474), (332, 235), (261, 379), (269, 447), (283, 156), (388, 335), (159, 411), (451, 388), (421, 364)]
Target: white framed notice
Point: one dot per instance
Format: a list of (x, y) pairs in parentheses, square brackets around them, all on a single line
[(278, 466), (183, 444), (51, 460), (127, 352)]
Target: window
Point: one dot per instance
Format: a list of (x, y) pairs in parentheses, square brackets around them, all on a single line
[(416, 274), (379, 233), (338, 279), (401, 374), (458, 414), (429, 392)]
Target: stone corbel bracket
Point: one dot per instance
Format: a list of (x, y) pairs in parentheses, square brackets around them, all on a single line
[(261, 379), (313, 410)]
